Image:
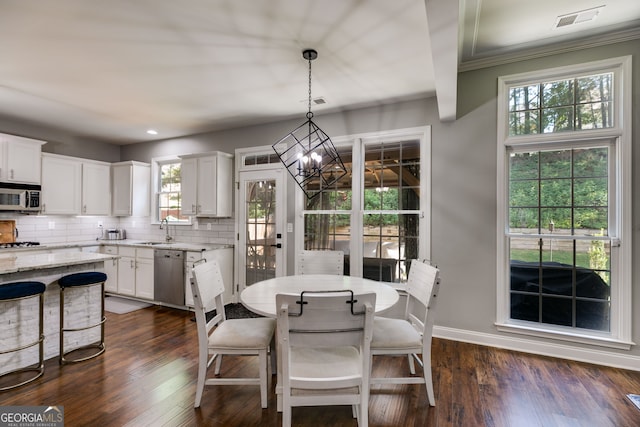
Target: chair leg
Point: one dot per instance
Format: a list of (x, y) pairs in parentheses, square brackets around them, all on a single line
[(264, 373), (363, 408), (218, 364), (61, 331), (202, 376), (274, 357), (286, 410), (428, 380), (412, 365)]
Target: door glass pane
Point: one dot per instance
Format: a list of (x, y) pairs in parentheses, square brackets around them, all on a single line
[(260, 224)]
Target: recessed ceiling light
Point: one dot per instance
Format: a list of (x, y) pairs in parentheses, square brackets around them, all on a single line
[(152, 132), (578, 17)]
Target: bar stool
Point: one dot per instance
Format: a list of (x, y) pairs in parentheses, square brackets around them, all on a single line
[(77, 280), (15, 292)]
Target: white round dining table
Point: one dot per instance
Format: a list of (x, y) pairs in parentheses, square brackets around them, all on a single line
[(260, 297)]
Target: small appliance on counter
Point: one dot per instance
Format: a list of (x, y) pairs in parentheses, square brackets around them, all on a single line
[(115, 234)]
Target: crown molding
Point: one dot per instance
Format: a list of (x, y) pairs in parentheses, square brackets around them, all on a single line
[(549, 50)]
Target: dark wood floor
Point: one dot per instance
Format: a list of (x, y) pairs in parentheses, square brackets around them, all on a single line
[(147, 378)]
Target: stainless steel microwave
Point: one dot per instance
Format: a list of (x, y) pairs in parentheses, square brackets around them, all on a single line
[(20, 197)]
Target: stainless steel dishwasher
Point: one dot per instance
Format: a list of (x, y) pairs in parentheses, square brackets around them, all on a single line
[(168, 268)]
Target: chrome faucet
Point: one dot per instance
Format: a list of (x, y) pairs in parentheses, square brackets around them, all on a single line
[(167, 237)]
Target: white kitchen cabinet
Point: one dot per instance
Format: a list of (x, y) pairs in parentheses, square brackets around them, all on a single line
[(96, 188), (74, 186), (131, 188), (20, 159), (207, 184), (224, 257), (111, 269), (189, 185), (127, 271), (189, 261), (135, 272), (61, 185), (144, 273)]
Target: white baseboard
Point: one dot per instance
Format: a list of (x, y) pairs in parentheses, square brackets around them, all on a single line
[(559, 350)]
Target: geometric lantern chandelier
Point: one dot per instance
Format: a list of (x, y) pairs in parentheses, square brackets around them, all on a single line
[(308, 153)]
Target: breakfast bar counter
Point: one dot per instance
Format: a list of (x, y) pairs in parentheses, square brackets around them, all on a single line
[(23, 262), (47, 268)]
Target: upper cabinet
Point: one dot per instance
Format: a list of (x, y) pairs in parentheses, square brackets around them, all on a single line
[(20, 159), (73, 186), (131, 187), (61, 185), (207, 184), (96, 188)]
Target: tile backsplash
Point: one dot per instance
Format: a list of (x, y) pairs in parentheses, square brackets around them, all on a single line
[(70, 229)]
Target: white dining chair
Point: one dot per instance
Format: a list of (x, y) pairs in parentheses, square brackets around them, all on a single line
[(411, 335), (324, 342), (221, 336), (320, 262)]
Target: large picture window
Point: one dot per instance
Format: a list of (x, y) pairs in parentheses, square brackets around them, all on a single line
[(378, 213), (559, 244), (563, 226)]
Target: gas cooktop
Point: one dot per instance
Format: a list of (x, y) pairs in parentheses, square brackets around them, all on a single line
[(18, 244)]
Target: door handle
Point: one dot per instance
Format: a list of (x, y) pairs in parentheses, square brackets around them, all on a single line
[(277, 245)]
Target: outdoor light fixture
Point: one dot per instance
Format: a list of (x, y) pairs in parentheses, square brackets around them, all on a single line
[(308, 153)]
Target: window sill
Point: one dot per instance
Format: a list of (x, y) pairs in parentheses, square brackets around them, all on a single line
[(594, 338)]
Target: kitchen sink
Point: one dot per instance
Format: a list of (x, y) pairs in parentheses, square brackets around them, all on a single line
[(151, 243)]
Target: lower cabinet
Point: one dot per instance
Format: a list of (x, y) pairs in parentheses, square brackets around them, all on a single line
[(127, 271), (144, 273), (132, 274), (189, 259), (111, 269)]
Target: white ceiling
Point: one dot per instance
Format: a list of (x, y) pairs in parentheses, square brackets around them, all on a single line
[(109, 70)]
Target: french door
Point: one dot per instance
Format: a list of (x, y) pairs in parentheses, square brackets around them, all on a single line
[(262, 231)]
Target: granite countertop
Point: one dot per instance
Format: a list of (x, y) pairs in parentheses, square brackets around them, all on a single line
[(23, 261), (179, 246)]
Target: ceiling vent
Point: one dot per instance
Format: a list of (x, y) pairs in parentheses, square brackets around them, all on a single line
[(315, 101), (577, 17)]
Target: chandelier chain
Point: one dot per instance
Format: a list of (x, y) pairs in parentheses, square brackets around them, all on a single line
[(309, 114)]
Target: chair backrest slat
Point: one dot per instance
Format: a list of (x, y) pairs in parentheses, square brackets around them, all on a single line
[(320, 262), (423, 286), (326, 320), (208, 290)]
